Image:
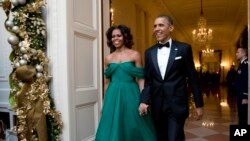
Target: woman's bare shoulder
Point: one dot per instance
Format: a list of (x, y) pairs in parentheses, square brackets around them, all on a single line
[(108, 59), (134, 52)]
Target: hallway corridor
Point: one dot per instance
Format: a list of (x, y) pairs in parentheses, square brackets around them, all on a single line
[(219, 113)]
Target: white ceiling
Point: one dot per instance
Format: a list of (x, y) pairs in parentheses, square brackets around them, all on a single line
[(227, 18)]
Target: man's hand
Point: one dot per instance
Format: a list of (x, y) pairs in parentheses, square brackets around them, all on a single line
[(143, 109), (244, 101), (199, 112)]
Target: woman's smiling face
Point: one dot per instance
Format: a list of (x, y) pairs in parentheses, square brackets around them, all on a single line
[(117, 38)]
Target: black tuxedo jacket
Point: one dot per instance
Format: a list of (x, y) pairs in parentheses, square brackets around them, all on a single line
[(171, 92), (241, 82)]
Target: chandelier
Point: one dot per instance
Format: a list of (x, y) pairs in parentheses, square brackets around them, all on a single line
[(208, 51), (202, 34)]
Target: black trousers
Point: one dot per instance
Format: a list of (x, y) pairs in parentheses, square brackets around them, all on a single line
[(169, 128), (242, 113)]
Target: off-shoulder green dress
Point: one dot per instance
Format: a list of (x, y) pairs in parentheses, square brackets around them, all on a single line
[(120, 120)]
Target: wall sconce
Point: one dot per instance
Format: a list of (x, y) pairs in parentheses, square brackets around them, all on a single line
[(112, 16)]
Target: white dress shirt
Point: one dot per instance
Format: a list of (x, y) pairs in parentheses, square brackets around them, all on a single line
[(243, 60), (162, 57)]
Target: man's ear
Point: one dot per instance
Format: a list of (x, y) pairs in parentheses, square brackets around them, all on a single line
[(171, 28)]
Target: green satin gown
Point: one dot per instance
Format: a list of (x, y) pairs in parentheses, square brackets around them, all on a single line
[(120, 120)]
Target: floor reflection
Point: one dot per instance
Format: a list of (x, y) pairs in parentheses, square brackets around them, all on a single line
[(219, 113)]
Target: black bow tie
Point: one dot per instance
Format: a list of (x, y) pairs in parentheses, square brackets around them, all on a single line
[(163, 45)]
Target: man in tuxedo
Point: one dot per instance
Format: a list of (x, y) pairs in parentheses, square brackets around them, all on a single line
[(168, 67), (241, 85)]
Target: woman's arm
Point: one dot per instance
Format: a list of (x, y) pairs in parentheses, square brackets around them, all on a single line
[(106, 83), (138, 63), (106, 80)]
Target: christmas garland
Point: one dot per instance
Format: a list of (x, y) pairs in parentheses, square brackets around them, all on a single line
[(37, 119)]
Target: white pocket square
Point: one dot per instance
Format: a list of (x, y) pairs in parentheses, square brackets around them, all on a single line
[(177, 58)]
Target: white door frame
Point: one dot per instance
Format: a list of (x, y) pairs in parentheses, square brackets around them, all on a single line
[(57, 53)]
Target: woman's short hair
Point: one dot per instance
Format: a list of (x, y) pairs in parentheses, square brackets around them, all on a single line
[(126, 33)]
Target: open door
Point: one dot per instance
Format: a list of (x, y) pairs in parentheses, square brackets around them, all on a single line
[(85, 66)]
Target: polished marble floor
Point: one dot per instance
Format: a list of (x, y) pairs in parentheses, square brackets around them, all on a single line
[(219, 113)]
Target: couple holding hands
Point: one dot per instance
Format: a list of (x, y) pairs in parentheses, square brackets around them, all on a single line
[(147, 103)]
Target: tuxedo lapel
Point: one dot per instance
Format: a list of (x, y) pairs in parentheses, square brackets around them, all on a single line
[(171, 58), (155, 61)]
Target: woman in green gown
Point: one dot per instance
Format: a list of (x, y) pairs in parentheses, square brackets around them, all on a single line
[(120, 120)]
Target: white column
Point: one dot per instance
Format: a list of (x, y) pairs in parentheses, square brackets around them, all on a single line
[(56, 15)]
